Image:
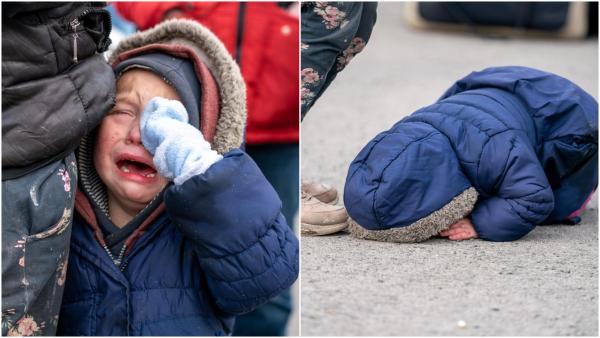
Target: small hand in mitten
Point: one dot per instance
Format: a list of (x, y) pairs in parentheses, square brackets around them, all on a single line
[(180, 151)]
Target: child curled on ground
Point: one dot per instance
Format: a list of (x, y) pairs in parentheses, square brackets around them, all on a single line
[(177, 231), (503, 150)]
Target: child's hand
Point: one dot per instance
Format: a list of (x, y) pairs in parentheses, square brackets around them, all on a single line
[(180, 151), (463, 229)]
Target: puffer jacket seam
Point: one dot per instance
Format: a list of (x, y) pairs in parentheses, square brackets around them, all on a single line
[(292, 276), (362, 162), (468, 121), (128, 314), (164, 288), (140, 323), (515, 199), (430, 134), (468, 104), (511, 108), (488, 135), (478, 163), (276, 259), (94, 324), (533, 193), (271, 223), (152, 231), (500, 178), (99, 260), (523, 218), (267, 296)]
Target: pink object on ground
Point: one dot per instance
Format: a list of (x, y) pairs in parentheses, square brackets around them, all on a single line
[(578, 212)]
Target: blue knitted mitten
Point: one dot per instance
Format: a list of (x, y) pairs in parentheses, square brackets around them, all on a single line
[(180, 150)]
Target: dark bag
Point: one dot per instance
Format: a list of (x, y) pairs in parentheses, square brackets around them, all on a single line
[(559, 19), (530, 15)]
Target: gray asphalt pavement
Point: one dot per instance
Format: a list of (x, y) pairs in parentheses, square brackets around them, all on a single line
[(543, 284)]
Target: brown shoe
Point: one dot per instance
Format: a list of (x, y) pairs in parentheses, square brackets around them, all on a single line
[(323, 192), (318, 218)]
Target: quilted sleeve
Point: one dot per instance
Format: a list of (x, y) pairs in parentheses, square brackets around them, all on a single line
[(517, 196), (232, 215)]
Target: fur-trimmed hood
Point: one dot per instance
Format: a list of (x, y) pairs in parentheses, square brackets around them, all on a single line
[(406, 186), (222, 105), (424, 228), (222, 124)]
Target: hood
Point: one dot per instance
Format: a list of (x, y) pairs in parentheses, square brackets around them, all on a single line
[(406, 185), (423, 228), (223, 105), (222, 102)]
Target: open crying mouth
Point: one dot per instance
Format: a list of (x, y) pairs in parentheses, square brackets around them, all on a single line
[(135, 167)]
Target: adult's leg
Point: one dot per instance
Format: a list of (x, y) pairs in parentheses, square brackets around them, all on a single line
[(37, 212), (332, 34)]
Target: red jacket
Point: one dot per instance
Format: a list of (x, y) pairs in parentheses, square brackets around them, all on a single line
[(268, 57)]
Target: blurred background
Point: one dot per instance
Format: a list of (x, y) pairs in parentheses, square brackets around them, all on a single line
[(263, 38), (544, 284)]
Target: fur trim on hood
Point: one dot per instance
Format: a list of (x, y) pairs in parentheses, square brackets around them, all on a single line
[(421, 230), (193, 37)]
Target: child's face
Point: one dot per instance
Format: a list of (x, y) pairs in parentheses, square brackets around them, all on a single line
[(122, 162)]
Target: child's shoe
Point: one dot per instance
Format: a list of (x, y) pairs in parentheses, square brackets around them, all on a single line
[(323, 192), (318, 218)]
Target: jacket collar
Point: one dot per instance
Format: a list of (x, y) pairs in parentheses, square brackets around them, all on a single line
[(85, 209), (87, 236)]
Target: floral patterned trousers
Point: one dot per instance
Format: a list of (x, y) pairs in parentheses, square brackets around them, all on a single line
[(37, 211), (332, 34)]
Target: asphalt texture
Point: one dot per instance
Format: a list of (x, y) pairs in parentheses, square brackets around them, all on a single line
[(543, 284)]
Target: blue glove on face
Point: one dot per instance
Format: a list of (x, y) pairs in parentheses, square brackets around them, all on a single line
[(180, 151)]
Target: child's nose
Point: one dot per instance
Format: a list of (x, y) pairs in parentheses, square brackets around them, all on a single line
[(134, 136)]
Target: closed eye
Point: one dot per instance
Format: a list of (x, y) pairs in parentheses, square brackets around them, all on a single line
[(121, 112)]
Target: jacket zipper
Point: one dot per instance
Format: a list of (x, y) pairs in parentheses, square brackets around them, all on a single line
[(74, 24), (124, 259)]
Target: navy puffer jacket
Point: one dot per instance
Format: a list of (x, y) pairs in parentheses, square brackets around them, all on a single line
[(221, 248), (525, 139)]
